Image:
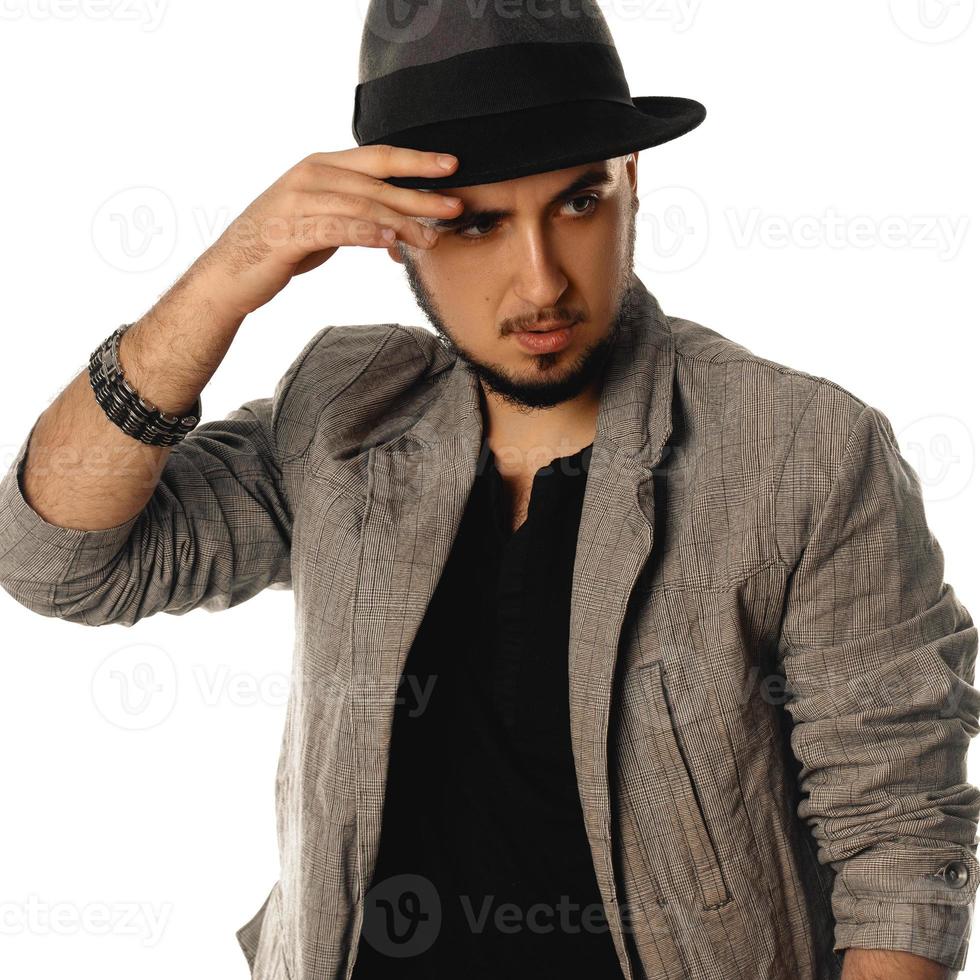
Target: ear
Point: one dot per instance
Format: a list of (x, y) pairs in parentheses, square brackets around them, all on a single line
[(632, 161), (396, 256)]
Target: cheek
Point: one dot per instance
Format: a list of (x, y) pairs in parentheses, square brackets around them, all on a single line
[(604, 236), (460, 269), (598, 253)]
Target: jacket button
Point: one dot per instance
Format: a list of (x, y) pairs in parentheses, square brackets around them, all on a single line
[(955, 874)]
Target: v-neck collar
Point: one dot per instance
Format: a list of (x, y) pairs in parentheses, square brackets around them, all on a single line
[(566, 473)]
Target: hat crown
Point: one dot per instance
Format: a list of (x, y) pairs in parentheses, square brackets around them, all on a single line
[(509, 87), (402, 34)]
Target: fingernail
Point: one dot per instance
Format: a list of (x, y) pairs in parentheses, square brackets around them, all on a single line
[(445, 161)]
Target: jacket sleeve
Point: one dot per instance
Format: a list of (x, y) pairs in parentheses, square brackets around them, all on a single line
[(216, 531), (879, 654)]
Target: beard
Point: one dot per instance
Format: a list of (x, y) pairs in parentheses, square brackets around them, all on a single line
[(520, 392)]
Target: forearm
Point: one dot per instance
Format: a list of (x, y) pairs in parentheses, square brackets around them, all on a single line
[(885, 964), (82, 471)]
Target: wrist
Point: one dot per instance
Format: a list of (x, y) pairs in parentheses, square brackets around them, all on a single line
[(208, 283), (886, 964), (138, 370)]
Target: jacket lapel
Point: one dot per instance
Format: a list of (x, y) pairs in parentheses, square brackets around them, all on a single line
[(418, 487), (616, 538)]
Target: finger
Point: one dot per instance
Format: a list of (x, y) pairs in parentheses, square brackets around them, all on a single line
[(407, 200), (335, 202), (384, 160), (317, 232)]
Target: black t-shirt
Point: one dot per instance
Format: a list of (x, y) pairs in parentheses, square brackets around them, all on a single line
[(484, 868)]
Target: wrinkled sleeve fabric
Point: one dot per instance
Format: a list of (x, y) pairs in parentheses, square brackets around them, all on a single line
[(878, 654), (216, 531)]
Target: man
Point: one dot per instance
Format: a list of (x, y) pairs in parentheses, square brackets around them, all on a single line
[(548, 578)]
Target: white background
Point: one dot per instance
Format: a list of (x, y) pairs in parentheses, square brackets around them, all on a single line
[(135, 132)]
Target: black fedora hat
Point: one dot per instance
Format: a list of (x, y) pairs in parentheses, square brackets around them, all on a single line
[(510, 87)]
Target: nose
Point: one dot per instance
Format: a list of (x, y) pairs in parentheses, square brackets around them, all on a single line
[(539, 279)]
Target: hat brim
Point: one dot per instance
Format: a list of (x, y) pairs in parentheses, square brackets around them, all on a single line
[(513, 144)]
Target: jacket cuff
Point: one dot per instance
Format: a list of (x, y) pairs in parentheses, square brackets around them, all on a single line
[(32, 550), (909, 898)]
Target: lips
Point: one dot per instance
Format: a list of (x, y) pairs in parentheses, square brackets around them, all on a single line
[(540, 340), (547, 327)]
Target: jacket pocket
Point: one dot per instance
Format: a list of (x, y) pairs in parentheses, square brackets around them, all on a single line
[(663, 734)]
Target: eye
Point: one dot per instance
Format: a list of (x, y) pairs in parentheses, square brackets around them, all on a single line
[(591, 199)]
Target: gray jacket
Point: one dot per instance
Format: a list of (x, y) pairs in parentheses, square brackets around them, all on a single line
[(770, 683)]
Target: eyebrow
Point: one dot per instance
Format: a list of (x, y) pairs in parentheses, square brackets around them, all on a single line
[(596, 177)]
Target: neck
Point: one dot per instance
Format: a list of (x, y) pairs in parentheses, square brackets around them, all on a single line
[(524, 440)]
